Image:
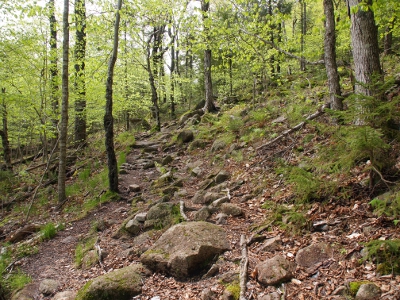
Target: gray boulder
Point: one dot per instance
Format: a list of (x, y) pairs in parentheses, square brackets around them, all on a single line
[(66, 295), (218, 145), (222, 176), (186, 249), (368, 291), (159, 215), (203, 214), (28, 292), (275, 270), (121, 284), (185, 136), (313, 254), (48, 286), (133, 226), (231, 209)]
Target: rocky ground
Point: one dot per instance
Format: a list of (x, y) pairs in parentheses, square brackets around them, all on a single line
[(316, 262)]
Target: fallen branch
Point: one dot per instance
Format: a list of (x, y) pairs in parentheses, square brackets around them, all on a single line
[(182, 209), (313, 116), (243, 267), (99, 252)]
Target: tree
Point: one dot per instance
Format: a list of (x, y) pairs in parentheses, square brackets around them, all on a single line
[(4, 134), (335, 100), (108, 116), (80, 86), (64, 107), (209, 104)]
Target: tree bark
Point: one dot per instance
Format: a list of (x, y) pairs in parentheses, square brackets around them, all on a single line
[(303, 8), (4, 135), (108, 117), (64, 108), (209, 104), (335, 100), (53, 70), (80, 84), (364, 42), (388, 40)]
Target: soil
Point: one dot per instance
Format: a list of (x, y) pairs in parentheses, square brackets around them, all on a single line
[(350, 224)]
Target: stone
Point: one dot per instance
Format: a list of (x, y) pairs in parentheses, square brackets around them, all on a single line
[(133, 226), (368, 291), (227, 295), (185, 136), (198, 198), (210, 197), (229, 277), (202, 215), (123, 172), (141, 217), (196, 172), (271, 244), (218, 145), (313, 254), (220, 201), (134, 188), (231, 209), (221, 177), (121, 284), (28, 292), (186, 249), (275, 270), (198, 144), (221, 219), (65, 295), (167, 160), (207, 294), (89, 259), (159, 215), (48, 286), (271, 296)]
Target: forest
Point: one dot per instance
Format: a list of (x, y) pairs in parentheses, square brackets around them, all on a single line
[(297, 99)]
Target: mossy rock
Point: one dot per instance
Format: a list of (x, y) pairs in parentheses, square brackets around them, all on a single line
[(122, 284)]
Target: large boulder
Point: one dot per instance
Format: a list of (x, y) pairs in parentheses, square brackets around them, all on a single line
[(185, 136), (120, 284), (275, 270), (186, 249), (160, 216), (313, 254)]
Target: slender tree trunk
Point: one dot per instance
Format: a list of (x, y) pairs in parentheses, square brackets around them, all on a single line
[(335, 100), (388, 40), (80, 84), (303, 33), (209, 105), (172, 71), (53, 71), (108, 117), (64, 107), (154, 94), (4, 134)]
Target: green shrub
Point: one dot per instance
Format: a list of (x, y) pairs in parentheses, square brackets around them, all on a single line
[(388, 205), (48, 231), (385, 254)]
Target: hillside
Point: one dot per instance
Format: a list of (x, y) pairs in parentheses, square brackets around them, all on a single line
[(279, 199)]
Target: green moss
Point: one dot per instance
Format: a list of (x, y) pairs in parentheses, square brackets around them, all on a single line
[(234, 289), (355, 286)]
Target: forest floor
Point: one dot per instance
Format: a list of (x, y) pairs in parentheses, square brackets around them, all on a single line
[(349, 224)]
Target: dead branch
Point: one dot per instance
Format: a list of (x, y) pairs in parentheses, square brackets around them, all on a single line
[(182, 209), (319, 112), (99, 253), (22, 233), (243, 267)]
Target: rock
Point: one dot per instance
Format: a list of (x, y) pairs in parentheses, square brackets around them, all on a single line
[(186, 249), (227, 295), (196, 172), (185, 136), (200, 143), (275, 270), (368, 291), (123, 172), (220, 201), (65, 295), (121, 284), (28, 292), (198, 198), (202, 215), (271, 296), (221, 219), (212, 272), (163, 180), (159, 215), (166, 160), (313, 254), (229, 277), (209, 197), (89, 259), (134, 188), (133, 226), (207, 294), (231, 209), (218, 145), (271, 244), (221, 177), (141, 217), (48, 286)]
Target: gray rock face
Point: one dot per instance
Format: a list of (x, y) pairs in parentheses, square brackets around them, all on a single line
[(221, 177), (202, 215), (120, 284), (186, 249), (231, 209), (275, 270), (218, 145), (198, 198), (185, 136), (271, 244), (66, 295), (313, 254), (90, 259), (133, 226), (368, 291), (48, 286), (141, 217)]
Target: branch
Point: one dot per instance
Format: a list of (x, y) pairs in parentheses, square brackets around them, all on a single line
[(319, 112), (243, 268), (287, 53), (182, 210)]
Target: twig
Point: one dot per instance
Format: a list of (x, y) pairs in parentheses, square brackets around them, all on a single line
[(182, 209), (99, 252), (313, 116), (243, 267)]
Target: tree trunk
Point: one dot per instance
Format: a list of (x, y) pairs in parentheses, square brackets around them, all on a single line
[(364, 42), (388, 40), (53, 70), (64, 107), (80, 84), (209, 105), (4, 135), (108, 117), (335, 100), (303, 34), (154, 94)]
